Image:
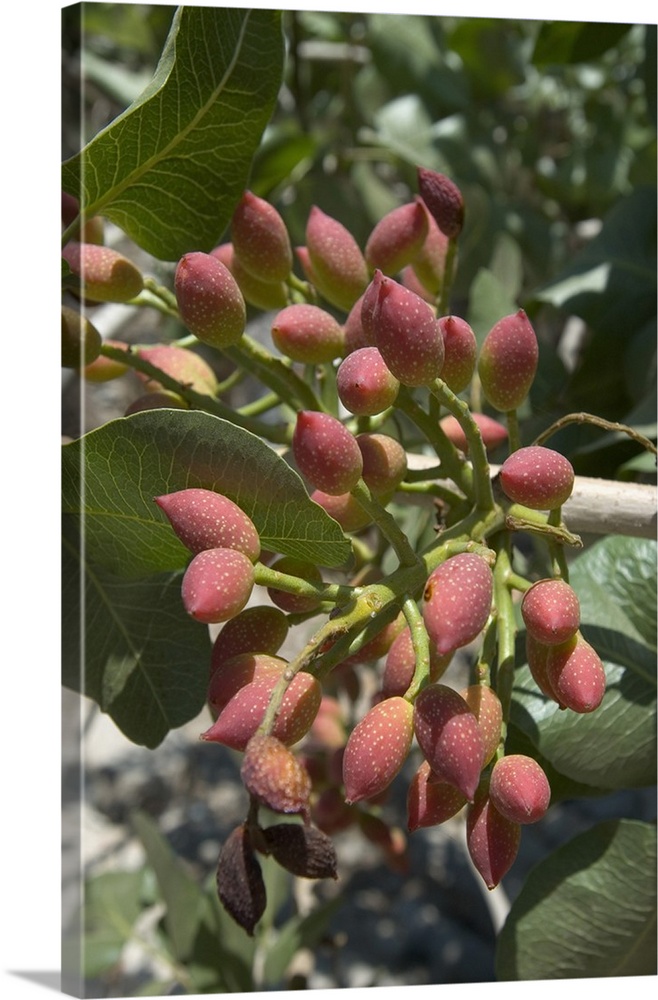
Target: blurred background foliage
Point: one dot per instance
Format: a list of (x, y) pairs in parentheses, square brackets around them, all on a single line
[(548, 128)]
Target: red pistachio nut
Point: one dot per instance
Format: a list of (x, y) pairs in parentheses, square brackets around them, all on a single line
[(377, 748), (258, 629), (491, 838), (576, 674), (180, 363), (537, 477), (551, 611), (457, 601), (243, 714), (429, 802), (274, 776), (338, 267), (406, 331), (444, 200), (508, 360), (217, 585), (397, 237), (519, 789), (449, 737), (203, 519), (460, 352), (104, 274), (209, 299), (260, 239), (308, 334), (384, 462), (365, 385), (326, 452)]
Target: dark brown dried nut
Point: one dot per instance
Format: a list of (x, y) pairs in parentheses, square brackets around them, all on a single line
[(302, 849), (240, 884)]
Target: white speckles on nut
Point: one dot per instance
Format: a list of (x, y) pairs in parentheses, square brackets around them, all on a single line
[(508, 360), (537, 477), (457, 601), (326, 452), (449, 737), (217, 584), (203, 519), (519, 788), (377, 748), (407, 334), (241, 716), (551, 611)]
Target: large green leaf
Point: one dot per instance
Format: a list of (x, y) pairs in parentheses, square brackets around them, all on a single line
[(587, 911), (111, 475), (615, 746), (171, 168), (130, 646), (616, 585)]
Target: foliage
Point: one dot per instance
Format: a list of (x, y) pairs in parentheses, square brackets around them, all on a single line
[(554, 142)]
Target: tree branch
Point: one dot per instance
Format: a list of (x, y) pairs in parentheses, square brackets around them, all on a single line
[(596, 506)]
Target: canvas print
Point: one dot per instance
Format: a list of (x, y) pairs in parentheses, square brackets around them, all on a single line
[(358, 500)]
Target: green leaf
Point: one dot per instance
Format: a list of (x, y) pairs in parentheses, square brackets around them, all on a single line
[(182, 896), (283, 154), (489, 301), (130, 647), (615, 746), (111, 476), (586, 911), (571, 42), (405, 127), (170, 169), (615, 581), (612, 282), (297, 933), (112, 904), (409, 59)]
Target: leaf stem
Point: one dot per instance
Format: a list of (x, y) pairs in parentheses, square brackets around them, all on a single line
[(453, 465), (606, 425), (274, 373), (505, 631), (477, 452), (421, 647), (513, 430), (386, 523), (197, 400)]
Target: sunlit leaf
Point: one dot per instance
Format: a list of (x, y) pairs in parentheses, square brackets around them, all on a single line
[(586, 911), (111, 476), (171, 168)]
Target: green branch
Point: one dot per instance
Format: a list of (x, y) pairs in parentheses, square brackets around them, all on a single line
[(274, 373), (476, 450), (197, 400)]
